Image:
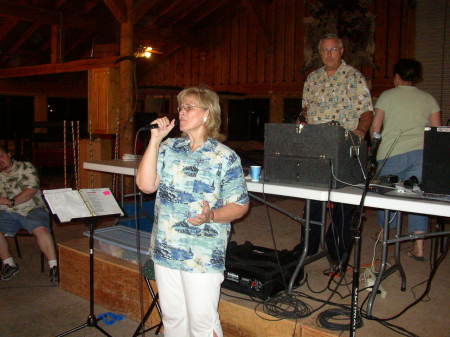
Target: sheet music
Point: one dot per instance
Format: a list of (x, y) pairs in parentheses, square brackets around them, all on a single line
[(100, 201), (68, 204)]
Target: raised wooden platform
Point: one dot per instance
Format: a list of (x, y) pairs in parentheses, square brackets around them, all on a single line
[(117, 288)]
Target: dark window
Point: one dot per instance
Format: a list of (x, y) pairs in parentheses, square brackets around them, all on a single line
[(292, 108), (247, 118), (16, 116)]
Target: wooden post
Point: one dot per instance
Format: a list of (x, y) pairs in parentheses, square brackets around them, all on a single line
[(276, 109), (55, 45), (126, 113), (126, 89), (98, 149), (40, 111)]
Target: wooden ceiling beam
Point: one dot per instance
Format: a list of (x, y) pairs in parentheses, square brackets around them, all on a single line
[(67, 67), (12, 9), (170, 7), (208, 11), (118, 9), (23, 38), (78, 41), (53, 89), (184, 34), (141, 8), (7, 26)]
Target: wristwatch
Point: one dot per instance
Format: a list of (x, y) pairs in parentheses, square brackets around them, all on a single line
[(13, 202)]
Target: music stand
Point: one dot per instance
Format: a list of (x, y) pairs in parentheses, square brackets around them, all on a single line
[(88, 206), (91, 319)]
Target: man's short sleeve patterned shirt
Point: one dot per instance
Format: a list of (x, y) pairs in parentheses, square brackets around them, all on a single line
[(342, 97), (21, 176)]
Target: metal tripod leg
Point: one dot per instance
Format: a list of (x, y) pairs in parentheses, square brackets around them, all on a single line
[(141, 328), (384, 273)]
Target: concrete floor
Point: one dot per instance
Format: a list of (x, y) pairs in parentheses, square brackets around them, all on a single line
[(31, 307)]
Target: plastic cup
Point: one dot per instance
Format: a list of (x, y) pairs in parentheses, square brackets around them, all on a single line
[(255, 173)]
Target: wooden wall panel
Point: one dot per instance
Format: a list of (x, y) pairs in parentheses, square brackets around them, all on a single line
[(237, 55), (252, 49), (393, 37), (280, 22), (234, 50), (289, 46), (242, 64), (299, 42)]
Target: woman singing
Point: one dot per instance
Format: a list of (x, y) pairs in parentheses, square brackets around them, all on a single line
[(201, 189)]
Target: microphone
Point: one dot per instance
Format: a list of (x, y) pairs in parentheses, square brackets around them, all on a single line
[(149, 127), (152, 126), (375, 143)]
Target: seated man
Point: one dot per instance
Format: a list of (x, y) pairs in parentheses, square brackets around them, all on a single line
[(21, 206)]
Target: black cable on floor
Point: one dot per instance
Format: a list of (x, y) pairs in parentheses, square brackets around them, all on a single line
[(327, 319)]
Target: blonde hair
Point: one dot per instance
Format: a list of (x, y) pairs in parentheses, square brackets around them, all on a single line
[(209, 100)]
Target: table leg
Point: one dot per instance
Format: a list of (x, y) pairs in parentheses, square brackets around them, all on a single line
[(398, 263)]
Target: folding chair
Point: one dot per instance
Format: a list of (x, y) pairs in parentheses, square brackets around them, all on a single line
[(148, 271)]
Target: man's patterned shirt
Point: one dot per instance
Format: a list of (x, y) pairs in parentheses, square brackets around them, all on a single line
[(212, 173), (21, 176), (343, 97)]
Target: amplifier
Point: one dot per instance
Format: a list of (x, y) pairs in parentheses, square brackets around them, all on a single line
[(254, 270), (436, 160), (320, 155)]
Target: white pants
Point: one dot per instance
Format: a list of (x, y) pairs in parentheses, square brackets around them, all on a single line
[(189, 302)]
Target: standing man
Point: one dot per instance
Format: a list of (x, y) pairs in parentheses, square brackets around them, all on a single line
[(336, 92), (21, 206)]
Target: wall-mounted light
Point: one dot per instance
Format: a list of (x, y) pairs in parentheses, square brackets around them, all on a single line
[(144, 51), (141, 52)]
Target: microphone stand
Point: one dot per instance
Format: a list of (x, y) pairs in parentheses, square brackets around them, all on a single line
[(357, 231)]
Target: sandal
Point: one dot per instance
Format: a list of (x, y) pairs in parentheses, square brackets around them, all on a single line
[(415, 257)]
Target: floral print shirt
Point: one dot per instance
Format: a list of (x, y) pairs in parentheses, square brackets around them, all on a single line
[(21, 176), (212, 173), (342, 97)]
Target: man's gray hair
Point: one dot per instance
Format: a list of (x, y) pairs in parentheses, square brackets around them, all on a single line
[(330, 36)]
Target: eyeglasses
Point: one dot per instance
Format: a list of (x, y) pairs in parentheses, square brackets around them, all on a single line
[(188, 107), (330, 50)]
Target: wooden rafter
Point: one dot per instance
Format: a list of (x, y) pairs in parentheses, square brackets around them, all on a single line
[(78, 41), (170, 7), (118, 9), (141, 8), (185, 32), (212, 7), (23, 38), (67, 67), (7, 26), (12, 9), (29, 88)]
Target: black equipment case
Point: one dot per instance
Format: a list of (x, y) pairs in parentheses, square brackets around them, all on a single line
[(436, 160), (322, 155), (254, 270)]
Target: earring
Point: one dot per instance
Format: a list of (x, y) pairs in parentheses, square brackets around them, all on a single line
[(205, 119)]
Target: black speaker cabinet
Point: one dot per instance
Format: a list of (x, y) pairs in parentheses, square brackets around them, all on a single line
[(255, 271), (436, 160), (320, 155)]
